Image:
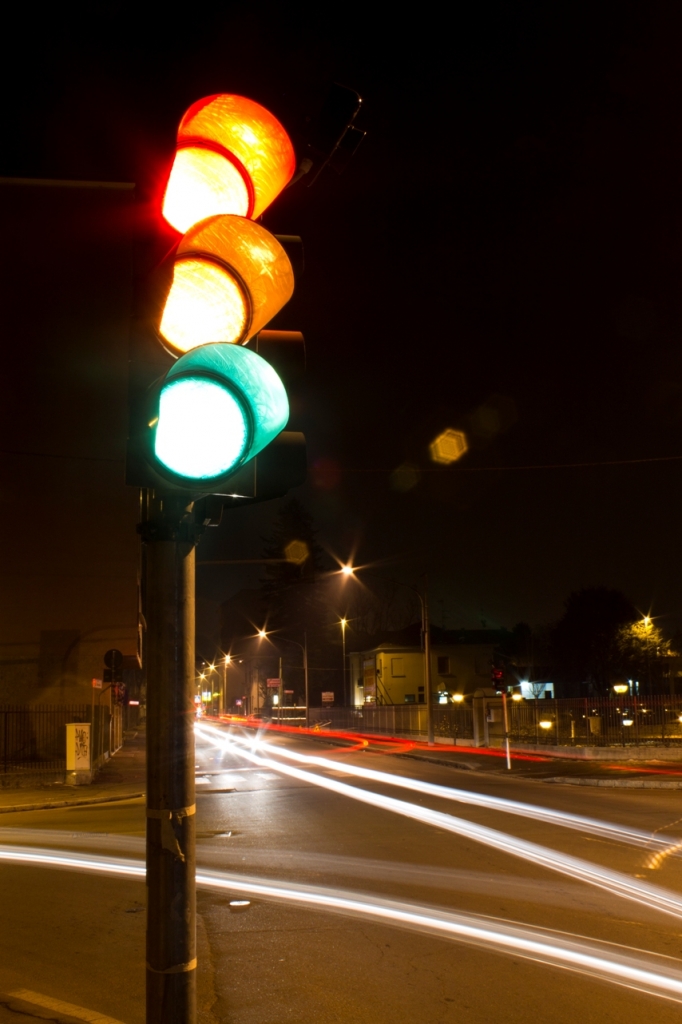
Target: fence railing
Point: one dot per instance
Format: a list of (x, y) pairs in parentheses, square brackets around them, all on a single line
[(579, 722), (636, 721), (35, 737), (398, 720)]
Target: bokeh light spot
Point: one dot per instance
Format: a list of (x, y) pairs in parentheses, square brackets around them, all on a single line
[(448, 446), (297, 551), (404, 477)]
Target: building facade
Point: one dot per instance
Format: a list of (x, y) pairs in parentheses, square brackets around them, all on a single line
[(394, 674)]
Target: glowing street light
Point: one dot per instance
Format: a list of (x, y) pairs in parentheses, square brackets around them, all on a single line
[(545, 724), (343, 624), (517, 696), (621, 688), (348, 570), (262, 635)]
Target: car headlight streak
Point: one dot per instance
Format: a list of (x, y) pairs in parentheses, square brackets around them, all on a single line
[(634, 837), (542, 856), (603, 961)]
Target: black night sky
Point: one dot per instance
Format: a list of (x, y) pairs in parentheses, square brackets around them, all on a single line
[(502, 256)]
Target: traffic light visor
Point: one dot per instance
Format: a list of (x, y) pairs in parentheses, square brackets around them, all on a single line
[(218, 406), (229, 279), (233, 156)]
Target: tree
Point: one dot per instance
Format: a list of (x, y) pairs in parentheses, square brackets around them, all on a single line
[(644, 652), (584, 644)]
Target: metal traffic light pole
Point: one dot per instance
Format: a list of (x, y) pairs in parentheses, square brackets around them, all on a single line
[(168, 533)]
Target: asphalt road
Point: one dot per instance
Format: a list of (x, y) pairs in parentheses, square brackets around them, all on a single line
[(79, 937)]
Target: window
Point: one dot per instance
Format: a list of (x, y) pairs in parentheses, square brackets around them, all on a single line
[(410, 698), (443, 665), (397, 667)]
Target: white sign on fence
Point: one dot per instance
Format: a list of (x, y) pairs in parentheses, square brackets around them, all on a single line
[(328, 697)]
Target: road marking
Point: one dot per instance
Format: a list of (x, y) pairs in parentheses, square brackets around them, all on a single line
[(92, 1016)]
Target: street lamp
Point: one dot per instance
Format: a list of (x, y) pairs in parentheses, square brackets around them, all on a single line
[(348, 570), (647, 633), (344, 623), (262, 635), (227, 660)]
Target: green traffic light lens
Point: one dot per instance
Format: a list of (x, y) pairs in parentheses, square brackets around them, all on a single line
[(218, 406), (202, 429)]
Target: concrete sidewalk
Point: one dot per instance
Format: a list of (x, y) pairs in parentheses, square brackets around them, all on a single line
[(122, 777)]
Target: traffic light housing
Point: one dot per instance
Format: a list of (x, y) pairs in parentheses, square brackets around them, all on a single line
[(212, 422), (496, 676)]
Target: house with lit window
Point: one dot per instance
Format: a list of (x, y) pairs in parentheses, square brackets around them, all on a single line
[(392, 673)]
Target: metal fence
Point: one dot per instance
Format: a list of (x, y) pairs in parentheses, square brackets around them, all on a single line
[(580, 722), (454, 722), (35, 737), (636, 721)]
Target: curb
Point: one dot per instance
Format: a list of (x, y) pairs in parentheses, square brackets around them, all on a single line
[(55, 804), (459, 765), (617, 783)]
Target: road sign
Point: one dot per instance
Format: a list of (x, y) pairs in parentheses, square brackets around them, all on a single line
[(97, 684), (274, 682), (327, 697), (113, 659)]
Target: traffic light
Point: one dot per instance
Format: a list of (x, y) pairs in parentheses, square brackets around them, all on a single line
[(197, 424), (232, 156), (230, 277)]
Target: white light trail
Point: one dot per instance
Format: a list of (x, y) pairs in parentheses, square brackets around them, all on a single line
[(654, 975), (614, 882), (593, 826)]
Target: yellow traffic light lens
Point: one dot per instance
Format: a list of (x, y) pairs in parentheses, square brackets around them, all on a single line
[(203, 183), (202, 429), (231, 276), (205, 304)]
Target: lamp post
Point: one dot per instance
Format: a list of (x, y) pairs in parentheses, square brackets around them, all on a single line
[(262, 634), (223, 691), (344, 623), (647, 625), (348, 570)]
